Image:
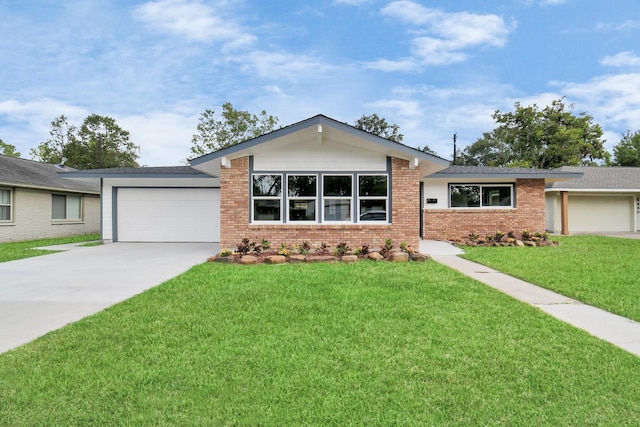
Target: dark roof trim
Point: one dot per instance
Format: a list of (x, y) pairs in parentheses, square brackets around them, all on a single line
[(318, 120), (498, 172), (142, 172)]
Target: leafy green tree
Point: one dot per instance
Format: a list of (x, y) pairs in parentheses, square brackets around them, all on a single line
[(378, 126), (232, 128), (544, 139), (8, 149), (627, 152), (98, 143)]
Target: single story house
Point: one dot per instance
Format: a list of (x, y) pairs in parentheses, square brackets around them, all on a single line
[(603, 200), (36, 203), (318, 180)]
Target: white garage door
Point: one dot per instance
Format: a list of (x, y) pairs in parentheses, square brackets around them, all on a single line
[(600, 213), (168, 215)]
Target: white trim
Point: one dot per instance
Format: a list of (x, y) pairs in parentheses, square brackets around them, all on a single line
[(350, 198), (385, 198), (280, 199), (294, 198)]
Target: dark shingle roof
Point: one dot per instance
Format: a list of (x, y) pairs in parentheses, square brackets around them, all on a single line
[(154, 172), (601, 178), (29, 173), (459, 171)]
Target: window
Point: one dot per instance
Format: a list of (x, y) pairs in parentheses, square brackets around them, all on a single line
[(337, 193), (481, 196), (267, 197), (6, 204), (372, 196), (64, 207), (302, 192)]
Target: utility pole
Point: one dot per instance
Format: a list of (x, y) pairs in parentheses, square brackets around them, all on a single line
[(455, 148)]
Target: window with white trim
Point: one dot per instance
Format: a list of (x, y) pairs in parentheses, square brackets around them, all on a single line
[(337, 192), (481, 196), (267, 197), (302, 196), (373, 195), (6, 204), (66, 207)]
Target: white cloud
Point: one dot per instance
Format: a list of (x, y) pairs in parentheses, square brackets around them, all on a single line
[(275, 65), (442, 38), (192, 20), (622, 59)]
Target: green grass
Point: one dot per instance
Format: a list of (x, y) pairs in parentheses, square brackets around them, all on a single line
[(597, 270), (362, 344), (19, 250)]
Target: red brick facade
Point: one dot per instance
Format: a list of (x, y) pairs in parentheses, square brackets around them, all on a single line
[(235, 225), (458, 223)]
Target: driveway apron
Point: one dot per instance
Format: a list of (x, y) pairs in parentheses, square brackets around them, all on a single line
[(41, 294)]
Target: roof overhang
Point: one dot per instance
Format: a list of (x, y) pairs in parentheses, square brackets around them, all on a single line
[(505, 173), (48, 188)]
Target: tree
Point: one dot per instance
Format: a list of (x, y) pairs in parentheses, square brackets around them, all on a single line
[(8, 149), (627, 152), (234, 127), (544, 139), (379, 126), (98, 143)]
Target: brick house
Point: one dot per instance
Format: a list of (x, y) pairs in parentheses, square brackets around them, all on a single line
[(35, 203), (318, 180)]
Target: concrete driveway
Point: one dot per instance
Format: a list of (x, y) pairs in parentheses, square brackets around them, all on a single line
[(40, 294)]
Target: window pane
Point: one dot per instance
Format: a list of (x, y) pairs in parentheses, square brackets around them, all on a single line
[(58, 207), (337, 186), (373, 210), (302, 210), (5, 213), (5, 197), (266, 210), (496, 196), (337, 210), (465, 196), (302, 186), (74, 207), (267, 185), (373, 185)]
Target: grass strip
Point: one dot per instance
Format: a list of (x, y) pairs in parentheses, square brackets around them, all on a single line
[(18, 250)]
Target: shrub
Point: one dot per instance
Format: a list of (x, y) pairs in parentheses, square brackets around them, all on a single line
[(323, 249), (386, 248), (363, 250), (341, 249), (225, 253)]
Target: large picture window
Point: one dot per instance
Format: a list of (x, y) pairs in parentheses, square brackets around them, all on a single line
[(481, 196), (267, 197), (372, 196), (66, 207), (337, 197), (302, 192), (6, 204)]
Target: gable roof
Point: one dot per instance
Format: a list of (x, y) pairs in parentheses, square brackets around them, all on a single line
[(17, 172), (461, 171), (210, 163), (613, 178)]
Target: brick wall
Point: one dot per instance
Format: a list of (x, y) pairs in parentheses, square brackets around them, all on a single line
[(234, 214), (32, 217), (529, 214)]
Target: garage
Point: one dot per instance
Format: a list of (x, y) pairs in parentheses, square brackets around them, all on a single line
[(601, 213), (167, 215)]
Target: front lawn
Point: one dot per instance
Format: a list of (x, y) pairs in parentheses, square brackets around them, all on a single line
[(18, 250), (597, 270), (318, 344)]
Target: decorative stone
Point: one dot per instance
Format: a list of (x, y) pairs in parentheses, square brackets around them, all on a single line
[(418, 257), (375, 256), (297, 258), (249, 259), (212, 258), (275, 259), (224, 259), (398, 257), (530, 243), (519, 243), (350, 258), (322, 258)]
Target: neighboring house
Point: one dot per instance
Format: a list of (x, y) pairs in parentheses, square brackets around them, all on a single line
[(605, 199), (318, 180), (36, 203)]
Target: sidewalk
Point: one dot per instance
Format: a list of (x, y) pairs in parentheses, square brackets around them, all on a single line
[(617, 330)]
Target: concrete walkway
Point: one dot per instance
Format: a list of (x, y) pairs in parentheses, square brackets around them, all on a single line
[(38, 295), (617, 330)]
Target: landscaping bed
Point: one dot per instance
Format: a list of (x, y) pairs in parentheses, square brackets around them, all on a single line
[(525, 238)]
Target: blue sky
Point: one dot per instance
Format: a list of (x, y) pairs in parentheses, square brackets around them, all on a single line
[(434, 68)]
